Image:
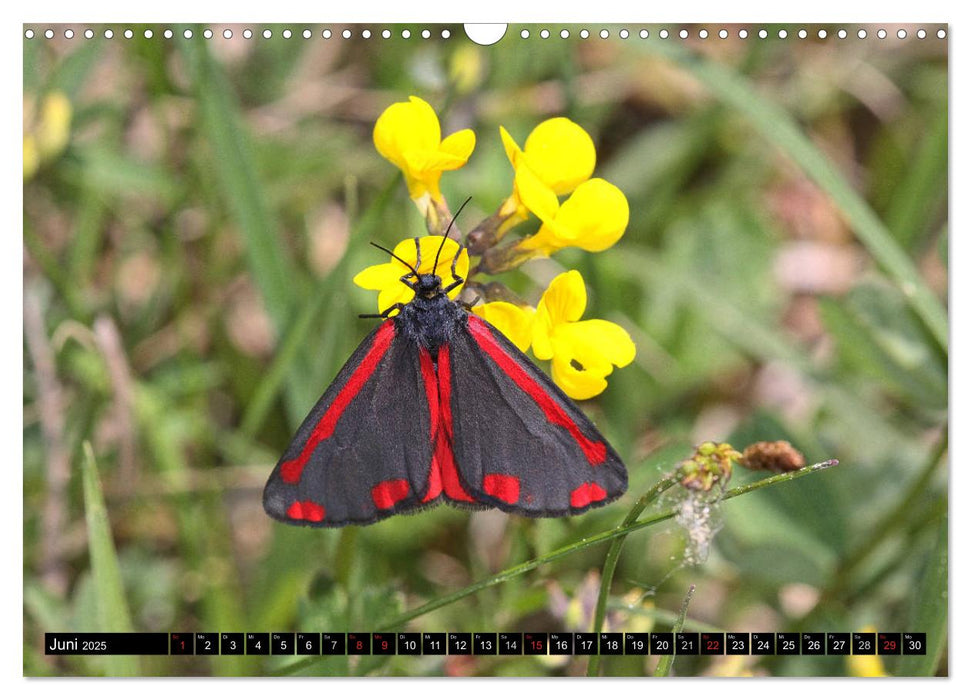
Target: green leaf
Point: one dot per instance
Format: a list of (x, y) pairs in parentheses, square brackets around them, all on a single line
[(112, 607)]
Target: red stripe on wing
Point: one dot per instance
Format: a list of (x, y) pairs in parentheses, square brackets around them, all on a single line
[(444, 475), (430, 380), (440, 448), (595, 452), (291, 470)]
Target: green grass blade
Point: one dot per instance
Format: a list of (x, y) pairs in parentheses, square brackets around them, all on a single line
[(923, 188), (667, 661), (930, 610), (776, 125), (113, 614), (235, 170)]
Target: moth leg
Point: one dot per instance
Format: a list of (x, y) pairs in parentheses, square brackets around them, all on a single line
[(457, 280), (418, 255), (413, 286), (384, 314), (456, 283)]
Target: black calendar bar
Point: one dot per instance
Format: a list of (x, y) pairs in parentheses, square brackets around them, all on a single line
[(485, 643), (106, 643)]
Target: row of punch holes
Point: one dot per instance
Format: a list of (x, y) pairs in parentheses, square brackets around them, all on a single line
[(524, 33)]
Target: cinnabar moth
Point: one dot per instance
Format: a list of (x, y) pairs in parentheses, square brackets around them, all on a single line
[(437, 405)]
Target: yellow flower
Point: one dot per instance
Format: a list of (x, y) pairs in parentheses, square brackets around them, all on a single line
[(558, 156), (31, 156), (583, 352), (558, 152), (46, 132), (387, 277), (515, 322), (593, 218), (466, 68), (408, 134), (866, 666)]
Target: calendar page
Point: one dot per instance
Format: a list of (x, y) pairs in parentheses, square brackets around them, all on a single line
[(445, 350)]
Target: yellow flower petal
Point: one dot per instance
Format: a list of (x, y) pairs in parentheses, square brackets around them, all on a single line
[(379, 276), (566, 297), (467, 68), (613, 343), (514, 322), (31, 157), (406, 126), (460, 144), (421, 163), (561, 154), (584, 354), (534, 195), (593, 218), (576, 384), (513, 151), (595, 345), (865, 666), (563, 301), (54, 128), (394, 294)]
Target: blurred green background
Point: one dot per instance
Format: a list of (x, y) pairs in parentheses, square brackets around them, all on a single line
[(195, 209)]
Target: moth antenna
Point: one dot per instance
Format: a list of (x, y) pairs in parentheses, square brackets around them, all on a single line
[(391, 253), (447, 229)]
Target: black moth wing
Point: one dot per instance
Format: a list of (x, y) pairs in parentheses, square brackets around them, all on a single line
[(377, 458), (520, 443)]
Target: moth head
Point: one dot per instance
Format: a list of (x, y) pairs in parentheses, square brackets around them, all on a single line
[(429, 286)]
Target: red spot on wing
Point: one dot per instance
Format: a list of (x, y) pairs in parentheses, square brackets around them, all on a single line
[(595, 452), (306, 510), (389, 492), (291, 470), (502, 486), (585, 494)]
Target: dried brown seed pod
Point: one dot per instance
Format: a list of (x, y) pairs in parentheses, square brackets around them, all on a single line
[(778, 457)]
